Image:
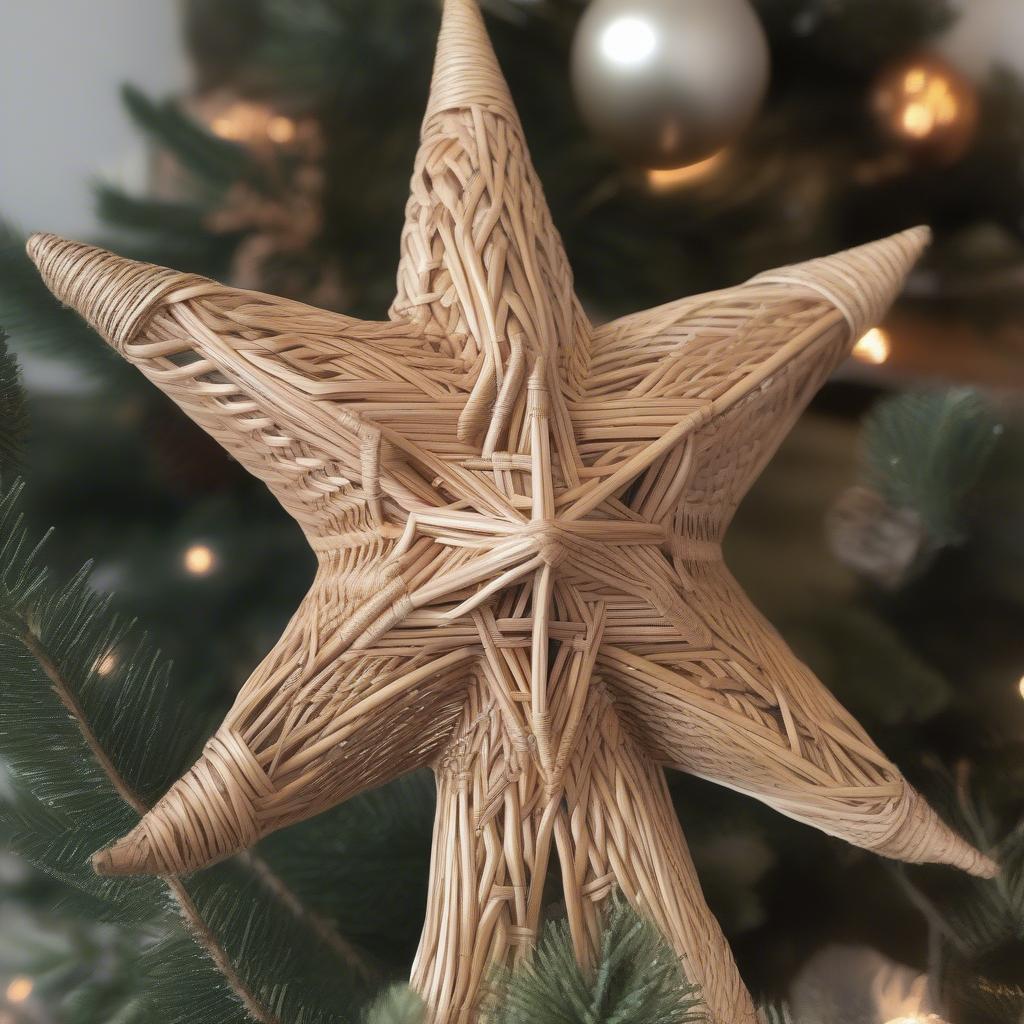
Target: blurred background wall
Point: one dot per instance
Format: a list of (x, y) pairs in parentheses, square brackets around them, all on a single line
[(61, 63)]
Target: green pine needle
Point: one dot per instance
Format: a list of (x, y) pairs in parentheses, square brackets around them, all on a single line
[(777, 1014), (90, 743), (638, 979), (981, 914), (926, 451), (397, 1005), (60, 710), (13, 414), (119, 209), (364, 865), (184, 987)]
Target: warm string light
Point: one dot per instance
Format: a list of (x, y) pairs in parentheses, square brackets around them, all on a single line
[(106, 664), (250, 122), (1020, 686), (199, 559), (928, 105), (875, 347), (19, 989), (673, 178), (280, 129), (923, 1018), (928, 101)]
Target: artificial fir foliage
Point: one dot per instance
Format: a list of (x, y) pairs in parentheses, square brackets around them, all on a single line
[(927, 451), (13, 415), (977, 932), (636, 976), (398, 1005), (89, 750), (923, 455)]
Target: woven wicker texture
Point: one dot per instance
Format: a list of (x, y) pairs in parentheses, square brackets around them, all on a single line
[(518, 520)]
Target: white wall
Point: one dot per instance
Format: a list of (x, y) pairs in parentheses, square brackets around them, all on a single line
[(988, 34), (61, 121)]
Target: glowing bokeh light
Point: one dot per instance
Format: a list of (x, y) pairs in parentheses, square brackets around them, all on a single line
[(672, 178), (280, 129), (19, 990), (199, 559), (874, 348), (251, 122), (628, 41), (928, 102), (106, 664)]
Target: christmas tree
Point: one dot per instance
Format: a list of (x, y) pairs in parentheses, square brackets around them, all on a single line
[(882, 541)]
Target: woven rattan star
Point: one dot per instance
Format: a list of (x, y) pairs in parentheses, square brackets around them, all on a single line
[(518, 520)]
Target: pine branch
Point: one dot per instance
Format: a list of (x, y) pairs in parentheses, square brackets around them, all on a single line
[(13, 414), (185, 987), (282, 961), (363, 865), (34, 646), (208, 940), (926, 451), (121, 210), (974, 916), (777, 1014), (48, 625), (638, 979), (92, 747), (345, 950), (398, 1005)]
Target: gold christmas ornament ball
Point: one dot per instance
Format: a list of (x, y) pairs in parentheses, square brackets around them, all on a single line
[(925, 104), (669, 82)]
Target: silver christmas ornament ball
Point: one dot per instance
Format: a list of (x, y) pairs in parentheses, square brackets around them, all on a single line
[(669, 82)]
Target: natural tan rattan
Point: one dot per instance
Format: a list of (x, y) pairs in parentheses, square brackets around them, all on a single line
[(518, 520)]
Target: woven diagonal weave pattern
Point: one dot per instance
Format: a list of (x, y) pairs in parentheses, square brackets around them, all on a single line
[(518, 520)]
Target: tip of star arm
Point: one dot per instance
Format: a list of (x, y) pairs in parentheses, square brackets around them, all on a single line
[(207, 815), (924, 838), (115, 295), (138, 854), (131, 855), (862, 283), (466, 71)]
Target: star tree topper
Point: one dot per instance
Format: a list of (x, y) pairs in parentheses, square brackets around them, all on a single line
[(518, 519)]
